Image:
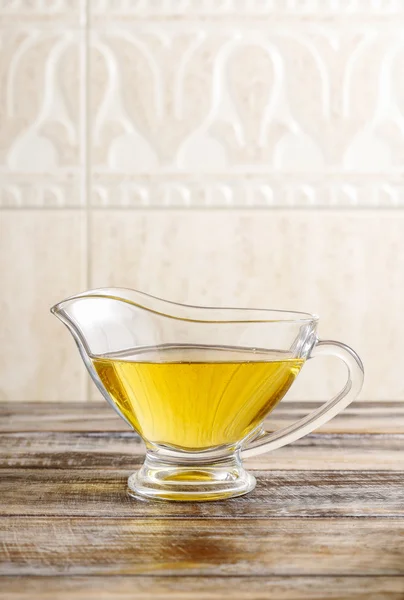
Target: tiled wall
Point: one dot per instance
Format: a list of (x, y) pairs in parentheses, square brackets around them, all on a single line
[(245, 152)]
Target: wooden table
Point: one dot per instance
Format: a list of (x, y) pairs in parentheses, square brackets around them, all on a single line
[(325, 521)]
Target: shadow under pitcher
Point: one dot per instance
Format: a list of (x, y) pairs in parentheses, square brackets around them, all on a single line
[(197, 383)]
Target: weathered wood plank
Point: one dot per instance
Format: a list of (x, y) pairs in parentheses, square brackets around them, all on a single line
[(71, 450), (58, 416), (202, 588), (95, 493), (125, 450), (359, 417), (296, 528), (241, 547)]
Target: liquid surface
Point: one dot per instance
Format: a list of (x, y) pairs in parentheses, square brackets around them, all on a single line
[(194, 398)]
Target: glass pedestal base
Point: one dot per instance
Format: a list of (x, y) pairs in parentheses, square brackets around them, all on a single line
[(182, 481)]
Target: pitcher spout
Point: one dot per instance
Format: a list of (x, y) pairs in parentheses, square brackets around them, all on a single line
[(109, 321)]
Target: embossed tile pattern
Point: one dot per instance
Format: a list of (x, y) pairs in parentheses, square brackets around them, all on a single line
[(49, 10), (272, 110), (209, 111), (217, 8), (42, 87)]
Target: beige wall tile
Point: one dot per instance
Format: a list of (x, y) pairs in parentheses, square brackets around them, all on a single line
[(103, 10), (42, 260), (256, 103), (348, 267), (42, 100), (70, 11), (229, 104)]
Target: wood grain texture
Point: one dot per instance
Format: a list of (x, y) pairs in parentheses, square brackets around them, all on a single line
[(325, 521), (59, 450), (98, 493), (240, 547), (202, 588), (359, 417)]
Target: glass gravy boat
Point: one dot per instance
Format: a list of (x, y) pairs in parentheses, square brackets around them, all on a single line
[(196, 383)]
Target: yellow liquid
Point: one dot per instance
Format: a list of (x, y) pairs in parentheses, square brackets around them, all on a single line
[(194, 398)]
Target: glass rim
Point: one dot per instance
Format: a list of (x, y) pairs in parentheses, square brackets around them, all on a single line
[(282, 316)]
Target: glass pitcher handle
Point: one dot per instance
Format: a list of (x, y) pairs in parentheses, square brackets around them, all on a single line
[(271, 441)]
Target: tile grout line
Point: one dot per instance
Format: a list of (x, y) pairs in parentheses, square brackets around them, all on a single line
[(87, 175), (85, 82)]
